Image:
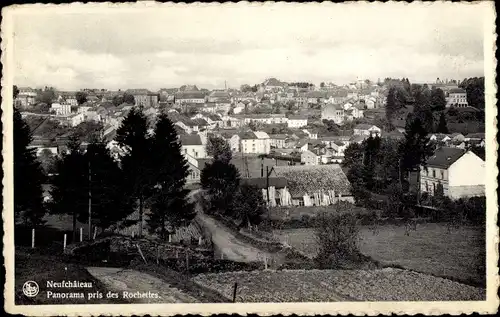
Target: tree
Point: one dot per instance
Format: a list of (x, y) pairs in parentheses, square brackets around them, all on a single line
[(219, 149), (128, 98), (70, 185), (47, 96), (416, 148), (118, 100), (442, 126), (353, 154), (48, 161), (322, 85), (110, 202), (81, 97), (28, 176), (475, 91), (133, 136), (221, 180), (170, 207), (438, 100), (249, 205), (392, 104), (15, 92)]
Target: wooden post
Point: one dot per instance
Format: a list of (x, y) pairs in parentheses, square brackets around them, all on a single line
[(95, 232), (33, 238), (64, 243), (140, 252), (158, 254), (187, 262), (169, 238), (177, 254), (234, 292), (81, 234), (133, 232), (199, 241), (265, 262)]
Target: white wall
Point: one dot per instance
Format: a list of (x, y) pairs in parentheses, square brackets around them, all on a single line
[(467, 170), (196, 151)]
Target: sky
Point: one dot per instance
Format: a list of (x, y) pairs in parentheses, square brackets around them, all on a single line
[(121, 47)]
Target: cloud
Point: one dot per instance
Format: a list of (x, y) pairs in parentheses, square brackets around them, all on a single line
[(241, 43)]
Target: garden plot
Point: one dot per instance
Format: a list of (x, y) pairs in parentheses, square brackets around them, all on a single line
[(337, 285), (459, 254)]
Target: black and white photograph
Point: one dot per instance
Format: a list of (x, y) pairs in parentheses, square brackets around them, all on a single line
[(315, 157)]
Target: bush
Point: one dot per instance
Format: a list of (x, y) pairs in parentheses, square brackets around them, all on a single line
[(337, 236)]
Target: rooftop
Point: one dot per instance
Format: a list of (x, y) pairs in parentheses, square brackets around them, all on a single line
[(445, 157)]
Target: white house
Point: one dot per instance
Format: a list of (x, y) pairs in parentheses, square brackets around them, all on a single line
[(61, 109), (367, 129), (333, 112), (297, 121), (310, 158), (257, 142), (461, 173), (193, 145), (457, 98)]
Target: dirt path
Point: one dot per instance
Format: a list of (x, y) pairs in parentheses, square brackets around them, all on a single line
[(125, 281), (227, 244)]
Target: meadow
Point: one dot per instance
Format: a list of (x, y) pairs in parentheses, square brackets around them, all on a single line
[(459, 254)]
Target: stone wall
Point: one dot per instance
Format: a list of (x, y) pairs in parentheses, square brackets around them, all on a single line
[(457, 192)]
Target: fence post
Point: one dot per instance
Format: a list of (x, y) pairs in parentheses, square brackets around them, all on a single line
[(169, 238), (265, 262), (199, 240), (95, 232), (133, 232), (140, 252), (64, 243), (81, 234), (157, 254), (234, 292), (33, 238), (187, 262)]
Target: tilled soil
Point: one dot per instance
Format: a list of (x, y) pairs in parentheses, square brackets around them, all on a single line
[(338, 285)]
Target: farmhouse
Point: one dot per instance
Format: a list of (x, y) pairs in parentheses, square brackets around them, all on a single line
[(367, 129), (315, 185), (461, 173), (192, 145)]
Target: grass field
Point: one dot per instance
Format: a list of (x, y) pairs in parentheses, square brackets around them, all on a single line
[(459, 254)]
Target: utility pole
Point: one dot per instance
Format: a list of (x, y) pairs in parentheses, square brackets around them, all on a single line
[(90, 203)]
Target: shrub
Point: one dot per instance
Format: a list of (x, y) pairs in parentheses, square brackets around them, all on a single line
[(337, 236)]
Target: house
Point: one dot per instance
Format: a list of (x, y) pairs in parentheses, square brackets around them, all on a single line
[(457, 97), (461, 173), (144, 97), (457, 137), (273, 84), (256, 142), (474, 137), (192, 145), (26, 97), (263, 118), (297, 121), (311, 133), (60, 109), (333, 112), (190, 97), (310, 157), (358, 138), (316, 97), (217, 96), (275, 186), (278, 140), (315, 185), (367, 129), (72, 119)]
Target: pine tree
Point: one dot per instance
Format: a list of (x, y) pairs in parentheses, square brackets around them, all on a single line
[(28, 176), (170, 207), (70, 185), (442, 126), (139, 176), (109, 203), (438, 100)]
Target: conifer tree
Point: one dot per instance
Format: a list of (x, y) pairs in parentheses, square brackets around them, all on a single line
[(442, 126), (221, 180), (28, 176), (170, 207), (133, 136), (70, 185), (219, 149)]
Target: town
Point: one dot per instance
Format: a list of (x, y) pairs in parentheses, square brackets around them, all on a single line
[(263, 176)]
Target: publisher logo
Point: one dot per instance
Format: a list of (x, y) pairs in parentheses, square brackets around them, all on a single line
[(30, 288)]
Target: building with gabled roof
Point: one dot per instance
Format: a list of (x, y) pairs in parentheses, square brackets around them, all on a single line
[(460, 173)]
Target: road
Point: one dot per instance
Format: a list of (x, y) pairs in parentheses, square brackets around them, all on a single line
[(227, 244), (124, 280), (223, 239)]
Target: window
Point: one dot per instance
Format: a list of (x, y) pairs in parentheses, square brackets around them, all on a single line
[(433, 173), (426, 186), (434, 188), (301, 202), (442, 174)]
